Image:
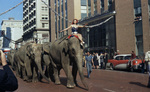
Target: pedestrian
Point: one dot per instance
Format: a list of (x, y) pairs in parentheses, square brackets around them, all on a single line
[(147, 60), (105, 59), (75, 27), (133, 56), (95, 59), (8, 81), (99, 63), (88, 61), (102, 60)]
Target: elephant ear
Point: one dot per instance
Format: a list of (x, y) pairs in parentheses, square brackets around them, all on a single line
[(46, 48)]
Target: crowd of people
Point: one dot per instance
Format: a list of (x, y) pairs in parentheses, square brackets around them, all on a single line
[(99, 61)]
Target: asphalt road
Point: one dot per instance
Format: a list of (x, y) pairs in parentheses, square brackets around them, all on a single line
[(100, 81)]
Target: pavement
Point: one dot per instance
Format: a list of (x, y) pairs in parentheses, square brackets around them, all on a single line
[(99, 81)]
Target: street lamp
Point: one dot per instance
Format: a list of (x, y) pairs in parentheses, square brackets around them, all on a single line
[(88, 30)]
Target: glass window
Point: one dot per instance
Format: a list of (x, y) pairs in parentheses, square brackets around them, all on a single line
[(83, 2), (127, 57), (110, 5), (89, 8), (95, 6), (102, 6), (83, 9)]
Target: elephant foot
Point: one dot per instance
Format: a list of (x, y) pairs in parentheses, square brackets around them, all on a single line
[(70, 86), (57, 82), (35, 80)]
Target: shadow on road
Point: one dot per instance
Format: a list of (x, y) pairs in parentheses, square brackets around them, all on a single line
[(138, 83)]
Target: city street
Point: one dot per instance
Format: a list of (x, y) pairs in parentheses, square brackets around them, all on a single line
[(100, 81)]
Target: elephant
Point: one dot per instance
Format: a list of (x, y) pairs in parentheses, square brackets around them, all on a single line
[(23, 63), (35, 53), (28, 59), (10, 57), (63, 52)]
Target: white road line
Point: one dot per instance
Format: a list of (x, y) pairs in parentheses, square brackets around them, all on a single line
[(109, 90)]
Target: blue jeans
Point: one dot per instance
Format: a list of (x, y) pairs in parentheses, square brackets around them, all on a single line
[(89, 68), (148, 68)]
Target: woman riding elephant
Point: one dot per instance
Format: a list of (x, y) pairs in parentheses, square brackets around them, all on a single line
[(62, 53)]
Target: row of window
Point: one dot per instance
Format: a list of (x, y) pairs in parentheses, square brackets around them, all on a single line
[(85, 4), (32, 7), (57, 7)]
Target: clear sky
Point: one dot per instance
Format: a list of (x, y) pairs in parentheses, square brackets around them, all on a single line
[(16, 13)]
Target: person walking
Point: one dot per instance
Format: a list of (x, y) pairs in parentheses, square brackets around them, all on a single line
[(95, 59), (147, 60), (105, 59), (102, 60), (88, 62), (8, 81)]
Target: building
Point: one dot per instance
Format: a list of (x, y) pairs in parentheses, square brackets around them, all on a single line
[(35, 21), (67, 11), (128, 30), (13, 30)]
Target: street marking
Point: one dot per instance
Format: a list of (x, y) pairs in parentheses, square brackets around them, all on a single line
[(109, 90)]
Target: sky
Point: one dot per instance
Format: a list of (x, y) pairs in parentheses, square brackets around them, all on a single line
[(16, 13)]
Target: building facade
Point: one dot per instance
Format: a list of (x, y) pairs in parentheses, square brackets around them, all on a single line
[(128, 30), (36, 21), (13, 30)]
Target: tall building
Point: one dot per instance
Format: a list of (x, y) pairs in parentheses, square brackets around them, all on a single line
[(13, 31), (35, 21), (128, 30), (67, 11)]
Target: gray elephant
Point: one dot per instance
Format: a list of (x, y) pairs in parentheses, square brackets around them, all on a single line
[(23, 63), (10, 57), (28, 60), (35, 53), (63, 52)]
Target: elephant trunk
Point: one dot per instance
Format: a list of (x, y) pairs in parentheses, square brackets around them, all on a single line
[(38, 63), (80, 69)]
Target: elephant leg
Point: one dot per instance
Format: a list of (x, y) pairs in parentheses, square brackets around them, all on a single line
[(74, 73), (66, 64), (35, 74), (28, 68), (56, 76)]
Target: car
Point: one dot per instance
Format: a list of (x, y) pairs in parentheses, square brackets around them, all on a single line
[(6, 51), (123, 61)]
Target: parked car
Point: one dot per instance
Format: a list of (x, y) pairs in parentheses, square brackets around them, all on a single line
[(6, 51), (123, 61)]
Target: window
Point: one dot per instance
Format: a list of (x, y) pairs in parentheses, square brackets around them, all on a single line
[(44, 17), (110, 5), (89, 8), (102, 6), (83, 9), (44, 25), (95, 6), (45, 9)]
